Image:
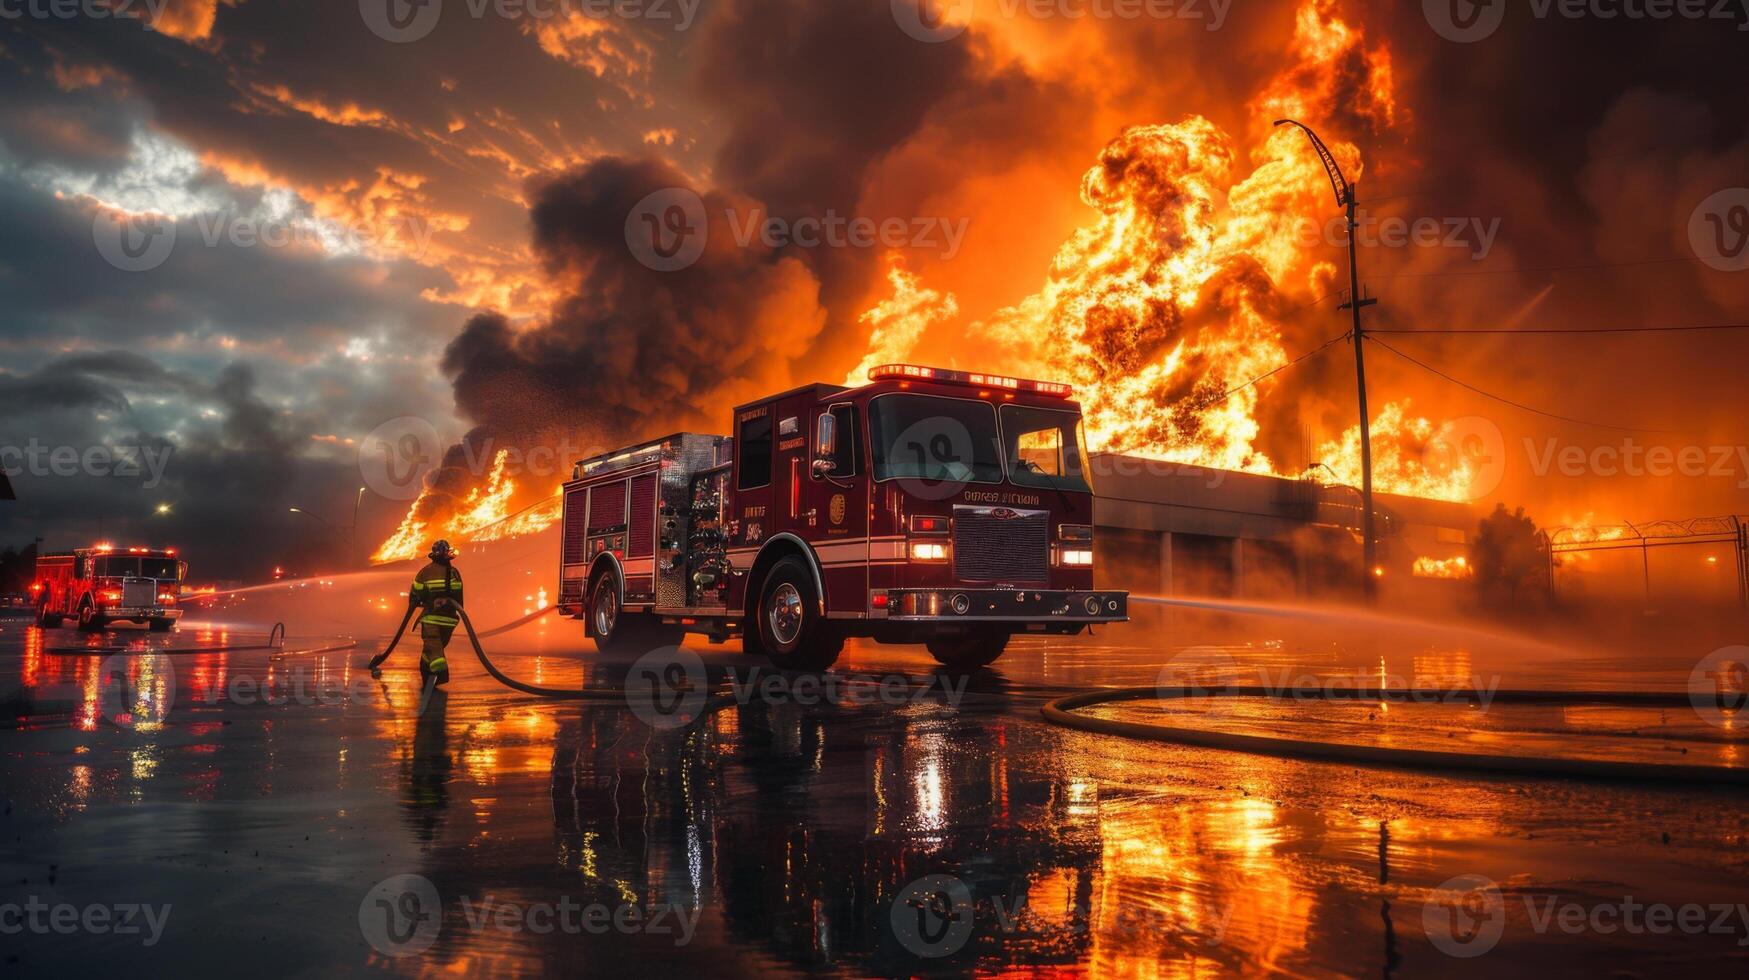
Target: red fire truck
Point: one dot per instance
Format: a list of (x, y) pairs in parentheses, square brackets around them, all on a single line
[(104, 584), (929, 506)]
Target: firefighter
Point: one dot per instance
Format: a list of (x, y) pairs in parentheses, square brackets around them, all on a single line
[(437, 590)]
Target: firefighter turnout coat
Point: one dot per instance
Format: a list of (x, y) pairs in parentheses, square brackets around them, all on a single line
[(437, 581)]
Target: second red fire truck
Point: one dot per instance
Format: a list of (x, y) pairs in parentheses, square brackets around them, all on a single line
[(103, 584), (930, 506)]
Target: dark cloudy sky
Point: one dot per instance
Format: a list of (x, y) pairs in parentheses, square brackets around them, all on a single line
[(431, 223)]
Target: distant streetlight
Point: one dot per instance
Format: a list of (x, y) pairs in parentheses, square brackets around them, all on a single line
[(352, 532)]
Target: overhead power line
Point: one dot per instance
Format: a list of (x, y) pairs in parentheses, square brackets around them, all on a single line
[(1268, 374), (1559, 330), (1507, 401)]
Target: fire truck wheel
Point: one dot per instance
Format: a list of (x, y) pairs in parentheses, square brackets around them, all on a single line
[(970, 651), (46, 619), (791, 630), (615, 630), (160, 625), (89, 621)]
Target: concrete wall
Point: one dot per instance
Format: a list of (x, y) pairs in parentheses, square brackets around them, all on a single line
[(1173, 528)]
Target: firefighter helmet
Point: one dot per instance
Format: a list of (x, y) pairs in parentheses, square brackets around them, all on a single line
[(441, 551)]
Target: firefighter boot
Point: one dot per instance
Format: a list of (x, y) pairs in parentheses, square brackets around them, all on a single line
[(432, 661)]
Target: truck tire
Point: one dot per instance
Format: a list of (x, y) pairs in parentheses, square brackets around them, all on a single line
[(160, 625), (969, 651), (89, 621), (615, 630), (790, 630), (46, 619)]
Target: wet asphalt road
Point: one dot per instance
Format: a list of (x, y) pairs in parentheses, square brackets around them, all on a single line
[(284, 813)]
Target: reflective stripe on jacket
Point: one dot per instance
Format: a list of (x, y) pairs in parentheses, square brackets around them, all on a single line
[(436, 581)]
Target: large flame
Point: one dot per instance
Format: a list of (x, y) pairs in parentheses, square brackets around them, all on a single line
[(484, 515), (1164, 309)]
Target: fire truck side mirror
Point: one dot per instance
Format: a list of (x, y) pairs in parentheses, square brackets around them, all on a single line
[(825, 444)]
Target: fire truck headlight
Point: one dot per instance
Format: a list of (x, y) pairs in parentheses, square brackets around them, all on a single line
[(167, 598), (109, 597), (1078, 556), (928, 551)]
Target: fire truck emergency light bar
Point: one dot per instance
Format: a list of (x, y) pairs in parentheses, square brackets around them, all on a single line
[(945, 376)]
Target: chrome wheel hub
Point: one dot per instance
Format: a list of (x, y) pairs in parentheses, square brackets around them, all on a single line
[(784, 614)]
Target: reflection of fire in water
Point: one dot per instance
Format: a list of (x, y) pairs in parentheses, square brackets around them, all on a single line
[(1163, 309)]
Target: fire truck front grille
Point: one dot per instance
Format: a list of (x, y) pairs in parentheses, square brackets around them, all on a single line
[(139, 592), (1000, 544)]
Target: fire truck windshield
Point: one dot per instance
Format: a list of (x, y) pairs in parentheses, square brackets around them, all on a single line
[(125, 566), (1043, 448), (922, 437)]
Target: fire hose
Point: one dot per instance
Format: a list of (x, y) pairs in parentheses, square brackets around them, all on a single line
[(491, 668), (1062, 711), (276, 640)]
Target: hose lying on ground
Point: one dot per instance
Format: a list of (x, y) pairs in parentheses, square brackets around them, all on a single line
[(275, 641), (1062, 712)]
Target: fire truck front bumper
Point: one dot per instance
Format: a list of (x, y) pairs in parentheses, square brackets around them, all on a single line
[(1019, 606), (140, 613)]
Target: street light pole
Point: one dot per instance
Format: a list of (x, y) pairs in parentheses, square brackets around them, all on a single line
[(357, 499), (1346, 199)]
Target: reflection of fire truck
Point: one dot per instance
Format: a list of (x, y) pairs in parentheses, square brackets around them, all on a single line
[(929, 506), (104, 584)]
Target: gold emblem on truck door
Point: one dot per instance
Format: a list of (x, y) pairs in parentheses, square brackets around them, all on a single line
[(837, 510)]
